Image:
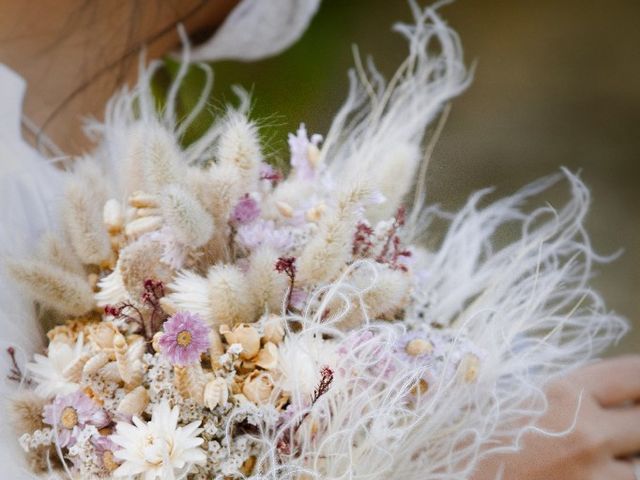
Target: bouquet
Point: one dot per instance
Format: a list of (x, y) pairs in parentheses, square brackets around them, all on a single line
[(213, 317)]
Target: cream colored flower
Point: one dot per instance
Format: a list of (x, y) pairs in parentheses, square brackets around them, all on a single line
[(48, 371), (159, 449)]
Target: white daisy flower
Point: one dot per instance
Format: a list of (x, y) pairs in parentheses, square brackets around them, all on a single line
[(49, 371), (158, 449)]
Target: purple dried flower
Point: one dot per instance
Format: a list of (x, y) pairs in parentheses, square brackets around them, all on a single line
[(300, 145), (105, 448), (71, 413), (184, 339), (246, 210)]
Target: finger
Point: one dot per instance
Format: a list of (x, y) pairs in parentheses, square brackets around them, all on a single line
[(620, 470), (612, 382), (623, 430)]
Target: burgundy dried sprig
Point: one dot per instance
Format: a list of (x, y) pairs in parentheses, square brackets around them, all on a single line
[(287, 265), (15, 373), (362, 240), (284, 443), (392, 251), (272, 175), (153, 292), (148, 325)]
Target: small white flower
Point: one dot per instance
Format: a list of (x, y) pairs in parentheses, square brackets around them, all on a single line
[(48, 371), (159, 448)]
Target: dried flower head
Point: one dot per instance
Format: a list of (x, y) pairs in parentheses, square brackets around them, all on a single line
[(69, 414), (185, 338)]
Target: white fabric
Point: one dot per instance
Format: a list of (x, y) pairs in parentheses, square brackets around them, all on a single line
[(258, 28), (29, 188)]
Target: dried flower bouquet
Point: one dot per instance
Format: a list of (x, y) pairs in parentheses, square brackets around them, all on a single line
[(221, 320)]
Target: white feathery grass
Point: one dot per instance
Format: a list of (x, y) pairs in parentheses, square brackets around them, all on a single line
[(82, 214), (66, 292), (381, 126), (527, 305), (239, 146), (191, 224)]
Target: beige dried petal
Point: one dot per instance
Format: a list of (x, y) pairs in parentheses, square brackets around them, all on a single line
[(313, 155), (144, 200), (155, 341), (285, 209), (134, 402), (146, 212), (143, 225), (245, 335), (216, 348), (274, 329), (73, 371), (268, 357), (113, 216), (110, 372), (418, 346), (101, 335), (216, 393), (257, 387), (470, 367), (95, 363), (314, 214)]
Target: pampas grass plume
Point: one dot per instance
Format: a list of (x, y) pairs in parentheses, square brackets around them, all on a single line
[(239, 146), (268, 287), (138, 262), (162, 160), (191, 223), (324, 257), (231, 302), (82, 214), (66, 292), (51, 248), (25, 412)]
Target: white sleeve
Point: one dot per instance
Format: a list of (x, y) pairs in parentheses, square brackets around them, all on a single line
[(258, 28)]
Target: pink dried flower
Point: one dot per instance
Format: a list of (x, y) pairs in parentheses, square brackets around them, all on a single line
[(184, 339), (69, 414), (299, 144), (246, 210)]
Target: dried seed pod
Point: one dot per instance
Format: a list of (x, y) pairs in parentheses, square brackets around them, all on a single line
[(126, 359), (113, 216), (418, 347), (155, 341), (95, 363), (110, 372), (216, 393), (73, 371), (246, 335), (190, 381), (257, 387), (268, 356), (274, 329), (140, 226), (134, 402)]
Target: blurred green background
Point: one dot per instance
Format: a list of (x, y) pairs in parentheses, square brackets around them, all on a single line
[(557, 83)]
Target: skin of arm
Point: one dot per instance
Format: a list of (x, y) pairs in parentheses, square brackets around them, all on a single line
[(606, 433)]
